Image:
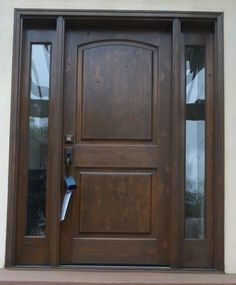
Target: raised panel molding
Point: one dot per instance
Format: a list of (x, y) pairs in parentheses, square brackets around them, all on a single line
[(112, 71), (115, 202)]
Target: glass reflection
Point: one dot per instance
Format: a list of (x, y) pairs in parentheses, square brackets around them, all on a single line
[(195, 143), (38, 139)]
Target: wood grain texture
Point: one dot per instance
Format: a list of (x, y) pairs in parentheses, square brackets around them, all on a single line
[(55, 150), (200, 252), (220, 145), (115, 101), (115, 202), (176, 182), (110, 97), (14, 143), (126, 156), (31, 249)]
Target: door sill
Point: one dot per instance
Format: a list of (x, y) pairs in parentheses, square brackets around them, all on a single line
[(117, 267), (108, 268)]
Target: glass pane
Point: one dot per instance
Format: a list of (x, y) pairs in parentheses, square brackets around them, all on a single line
[(38, 139), (195, 143)]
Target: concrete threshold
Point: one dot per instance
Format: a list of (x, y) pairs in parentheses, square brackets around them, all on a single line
[(116, 277)]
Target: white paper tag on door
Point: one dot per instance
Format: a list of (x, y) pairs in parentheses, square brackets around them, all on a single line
[(65, 204)]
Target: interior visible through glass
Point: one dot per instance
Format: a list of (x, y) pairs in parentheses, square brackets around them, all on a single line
[(195, 142), (38, 139)]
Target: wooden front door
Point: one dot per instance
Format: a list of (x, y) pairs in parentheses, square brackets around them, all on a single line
[(117, 105)]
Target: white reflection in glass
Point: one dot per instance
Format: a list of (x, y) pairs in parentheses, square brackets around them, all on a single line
[(195, 143), (38, 139)]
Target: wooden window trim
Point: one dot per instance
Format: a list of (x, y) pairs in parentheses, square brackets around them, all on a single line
[(176, 17)]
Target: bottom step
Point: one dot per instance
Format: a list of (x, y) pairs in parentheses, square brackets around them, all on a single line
[(110, 277)]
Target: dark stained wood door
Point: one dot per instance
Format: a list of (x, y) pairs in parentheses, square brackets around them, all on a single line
[(117, 105)]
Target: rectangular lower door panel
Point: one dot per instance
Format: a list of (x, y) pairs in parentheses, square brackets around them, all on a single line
[(115, 202), (115, 219)]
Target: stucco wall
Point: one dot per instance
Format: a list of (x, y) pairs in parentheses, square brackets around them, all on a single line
[(227, 6)]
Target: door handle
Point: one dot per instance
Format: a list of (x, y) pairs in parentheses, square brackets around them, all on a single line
[(70, 185), (68, 154), (69, 182)]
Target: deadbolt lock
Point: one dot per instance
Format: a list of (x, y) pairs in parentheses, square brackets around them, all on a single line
[(69, 139)]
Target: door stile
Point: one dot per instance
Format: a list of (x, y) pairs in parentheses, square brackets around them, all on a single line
[(219, 143), (177, 130), (56, 146), (14, 141)]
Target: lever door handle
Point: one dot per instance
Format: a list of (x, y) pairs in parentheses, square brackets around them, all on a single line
[(68, 153), (69, 181)]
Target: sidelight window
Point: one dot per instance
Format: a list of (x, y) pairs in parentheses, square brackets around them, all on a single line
[(195, 142), (38, 139)]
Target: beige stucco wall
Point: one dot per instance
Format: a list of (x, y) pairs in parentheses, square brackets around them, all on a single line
[(229, 9)]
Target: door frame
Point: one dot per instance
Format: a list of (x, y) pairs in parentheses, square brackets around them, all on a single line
[(55, 154)]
